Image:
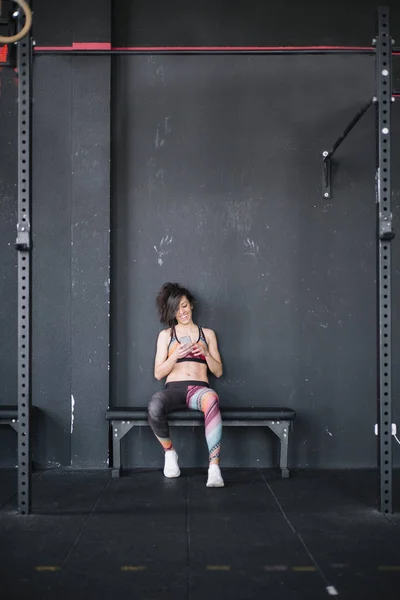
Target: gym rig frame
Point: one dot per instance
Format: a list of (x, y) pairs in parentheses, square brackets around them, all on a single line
[(384, 96)]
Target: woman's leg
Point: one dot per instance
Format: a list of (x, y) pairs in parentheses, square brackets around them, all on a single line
[(161, 404), (206, 400)]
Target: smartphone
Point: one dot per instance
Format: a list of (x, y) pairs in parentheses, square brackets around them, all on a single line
[(186, 340)]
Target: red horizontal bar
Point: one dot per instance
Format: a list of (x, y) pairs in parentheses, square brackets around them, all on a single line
[(91, 45), (233, 48), (77, 46), (107, 46)]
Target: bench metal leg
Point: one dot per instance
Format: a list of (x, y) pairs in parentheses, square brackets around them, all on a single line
[(281, 429), (119, 430), (283, 461)]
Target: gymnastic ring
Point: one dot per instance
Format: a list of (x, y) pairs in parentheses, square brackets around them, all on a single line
[(28, 24)]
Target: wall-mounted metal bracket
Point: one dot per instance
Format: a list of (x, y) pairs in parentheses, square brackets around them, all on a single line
[(23, 242), (386, 232), (327, 155)]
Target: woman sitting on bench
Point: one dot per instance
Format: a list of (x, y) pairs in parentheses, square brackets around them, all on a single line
[(185, 352)]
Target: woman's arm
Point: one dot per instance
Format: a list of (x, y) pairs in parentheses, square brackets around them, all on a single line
[(213, 357), (162, 364)]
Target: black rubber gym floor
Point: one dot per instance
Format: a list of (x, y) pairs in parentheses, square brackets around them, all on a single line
[(143, 537)]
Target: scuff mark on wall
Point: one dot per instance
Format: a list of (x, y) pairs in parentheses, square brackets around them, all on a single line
[(159, 140), (163, 250), (251, 248), (240, 214), (72, 412)]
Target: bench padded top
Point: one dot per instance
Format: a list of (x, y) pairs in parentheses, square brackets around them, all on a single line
[(11, 412), (231, 414), (8, 412)]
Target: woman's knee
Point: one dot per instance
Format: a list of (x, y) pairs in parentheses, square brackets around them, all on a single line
[(155, 408), (211, 399)]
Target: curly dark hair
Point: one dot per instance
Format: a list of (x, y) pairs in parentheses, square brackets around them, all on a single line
[(168, 299)]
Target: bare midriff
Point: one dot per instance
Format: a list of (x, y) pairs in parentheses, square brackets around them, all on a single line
[(188, 370)]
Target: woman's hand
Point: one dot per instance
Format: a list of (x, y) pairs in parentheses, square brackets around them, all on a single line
[(182, 351), (199, 350)]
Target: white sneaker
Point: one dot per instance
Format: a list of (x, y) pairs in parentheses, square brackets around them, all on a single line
[(171, 468), (214, 477)]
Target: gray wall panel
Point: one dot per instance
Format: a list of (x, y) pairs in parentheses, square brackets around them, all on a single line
[(51, 225), (90, 252), (218, 185)]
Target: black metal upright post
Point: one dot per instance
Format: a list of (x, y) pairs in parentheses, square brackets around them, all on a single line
[(385, 235), (23, 246)]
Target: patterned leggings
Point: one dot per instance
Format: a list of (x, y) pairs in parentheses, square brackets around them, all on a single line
[(180, 395)]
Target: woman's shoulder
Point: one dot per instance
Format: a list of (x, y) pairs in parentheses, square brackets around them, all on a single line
[(207, 331), (165, 333)]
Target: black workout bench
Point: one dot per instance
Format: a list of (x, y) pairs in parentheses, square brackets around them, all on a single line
[(9, 416), (279, 420)]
